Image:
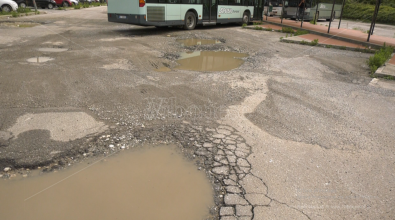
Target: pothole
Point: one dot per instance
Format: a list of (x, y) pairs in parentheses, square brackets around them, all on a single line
[(195, 41), (54, 50), (39, 59), (210, 60), (148, 183)]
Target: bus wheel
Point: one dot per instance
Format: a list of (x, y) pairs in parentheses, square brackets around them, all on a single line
[(246, 18), (190, 21)]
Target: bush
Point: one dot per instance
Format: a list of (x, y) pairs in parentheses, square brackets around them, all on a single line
[(364, 12), (77, 6), (14, 14), (314, 42), (86, 5), (287, 30), (380, 57)]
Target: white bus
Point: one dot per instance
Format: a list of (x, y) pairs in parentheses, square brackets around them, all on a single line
[(277, 7), (186, 13), (323, 8)]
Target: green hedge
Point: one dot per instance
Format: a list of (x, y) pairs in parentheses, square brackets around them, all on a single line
[(365, 12)]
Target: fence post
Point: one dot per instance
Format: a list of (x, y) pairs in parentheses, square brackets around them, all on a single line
[(330, 21)]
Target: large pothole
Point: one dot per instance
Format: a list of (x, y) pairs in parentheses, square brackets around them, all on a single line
[(146, 183)]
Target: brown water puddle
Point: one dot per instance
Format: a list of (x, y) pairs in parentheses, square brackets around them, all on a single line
[(210, 60), (148, 184), (194, 41)]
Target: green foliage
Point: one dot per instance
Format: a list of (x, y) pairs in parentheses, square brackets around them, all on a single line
[(23, 10), (328, 46), (287, 30), (60, 8), (86, 5), (286, 36), (244, 25), (380, 57), (314, 42), (14, 14), (281, 38), (269, 29), (314, 21), (343, 48), (364, 12), (304, 42), (301, 32), (258, 28), (78, 6)]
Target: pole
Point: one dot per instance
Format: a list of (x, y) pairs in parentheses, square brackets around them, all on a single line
[(373, 19), (330, 21), (341, 14), (377, 13), (282, 13), (267, 10), (35, 5), (301, 23), (316, 12)]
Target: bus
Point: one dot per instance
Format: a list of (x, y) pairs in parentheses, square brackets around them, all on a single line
[(320, 8), (277, 7), (185, 13)]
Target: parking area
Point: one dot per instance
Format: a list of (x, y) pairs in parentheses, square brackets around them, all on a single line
[(281, 131)]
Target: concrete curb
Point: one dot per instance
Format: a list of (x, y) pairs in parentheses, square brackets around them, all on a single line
[(307, 42), (386, 71), (366, 44)]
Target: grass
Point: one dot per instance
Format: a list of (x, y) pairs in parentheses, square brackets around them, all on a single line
[(244, 25), (258, 28), (60, 8), (281, 38), (343, 48), (17, 13), (304, 42), (269, 29), (314, 42), (78, 6), (380, 57), (301, 32), (287, 30)]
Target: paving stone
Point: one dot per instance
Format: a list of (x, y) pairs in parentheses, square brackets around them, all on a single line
[(242, 210), (226, 211), (242, 162), (210, 129), (233, 189), (242, 146), (230, 142), (207, 145), (257, 199), (224, 161), (234, 199), (244, 218), (219, 157), (221, 170), (228, 152), (217, 141), (221, 152), (232, 159), (230, 182), (223, 131), (217, 164), (220, 136), (233, 177), (231, 147), (201, 152)]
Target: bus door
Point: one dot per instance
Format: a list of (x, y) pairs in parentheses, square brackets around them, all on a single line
[(258, 9), (210, 8)]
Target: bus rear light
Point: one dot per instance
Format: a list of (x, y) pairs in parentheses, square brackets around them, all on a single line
[(141, 3)]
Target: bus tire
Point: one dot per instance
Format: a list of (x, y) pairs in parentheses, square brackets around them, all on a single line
[(246, 18), (190, 21)]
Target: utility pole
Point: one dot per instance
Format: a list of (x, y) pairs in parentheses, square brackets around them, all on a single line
[(330, 22), (341, 13)]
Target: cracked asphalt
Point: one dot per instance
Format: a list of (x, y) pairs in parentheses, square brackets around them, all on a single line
[(295, 132)]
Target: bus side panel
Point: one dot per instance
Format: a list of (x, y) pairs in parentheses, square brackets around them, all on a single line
[(173, 12), (251, 8), (230, 12), (186, 7), (125, 7)]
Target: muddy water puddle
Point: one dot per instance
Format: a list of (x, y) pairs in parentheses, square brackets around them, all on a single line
[(150, 183), (194, 41), (39, 59), (210, 60)]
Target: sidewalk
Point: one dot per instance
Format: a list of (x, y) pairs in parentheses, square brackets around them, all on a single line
[(351, 36)]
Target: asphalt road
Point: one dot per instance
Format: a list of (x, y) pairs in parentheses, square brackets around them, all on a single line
[(295, 132)]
